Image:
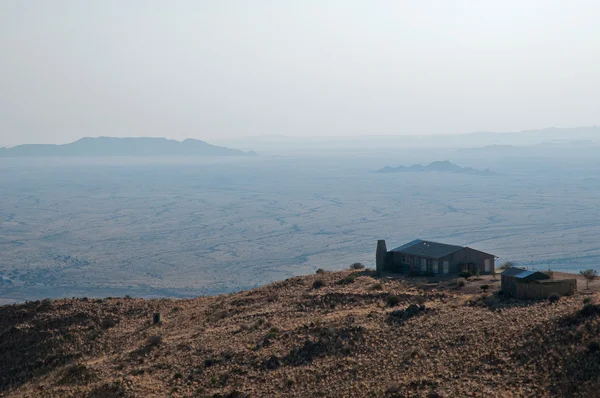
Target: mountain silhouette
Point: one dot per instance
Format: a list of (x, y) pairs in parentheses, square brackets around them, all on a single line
[(111, 146), (439, 166)]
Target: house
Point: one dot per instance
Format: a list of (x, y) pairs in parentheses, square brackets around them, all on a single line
[(535, 285), (423, 257)]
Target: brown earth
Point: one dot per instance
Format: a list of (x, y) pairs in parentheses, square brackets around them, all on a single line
[(290, 339)]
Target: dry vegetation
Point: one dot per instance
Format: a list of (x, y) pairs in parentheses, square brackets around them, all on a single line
[(343, 336)]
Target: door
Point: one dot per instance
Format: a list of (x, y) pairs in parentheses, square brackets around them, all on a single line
[(436, 265), (446, 267), (423, 265), (488, 265)]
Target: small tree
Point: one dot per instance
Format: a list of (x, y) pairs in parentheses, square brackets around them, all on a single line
[(484, 288), (589, 275)]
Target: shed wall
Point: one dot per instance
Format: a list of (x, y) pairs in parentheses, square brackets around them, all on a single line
[(541, 291)]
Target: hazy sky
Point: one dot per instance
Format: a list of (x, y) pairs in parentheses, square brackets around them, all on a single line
[(221, 69)]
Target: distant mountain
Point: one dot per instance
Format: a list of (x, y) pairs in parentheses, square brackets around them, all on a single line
[(111, 146), (439, 166)]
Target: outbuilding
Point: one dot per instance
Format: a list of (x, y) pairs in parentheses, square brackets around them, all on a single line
[(536, 285)]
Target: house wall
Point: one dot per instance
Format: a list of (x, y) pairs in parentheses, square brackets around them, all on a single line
[(464, 256), (469, 256)]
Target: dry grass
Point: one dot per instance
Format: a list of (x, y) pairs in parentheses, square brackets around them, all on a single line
[(340, 340)]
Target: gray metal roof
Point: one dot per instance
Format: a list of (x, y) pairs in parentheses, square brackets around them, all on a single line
[(512, 271), (425, 248), (524, 274)]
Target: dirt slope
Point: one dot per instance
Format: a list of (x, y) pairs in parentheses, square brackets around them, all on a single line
[(290, 339)]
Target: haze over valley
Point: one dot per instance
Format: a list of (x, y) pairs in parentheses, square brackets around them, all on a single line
[(185, 226)]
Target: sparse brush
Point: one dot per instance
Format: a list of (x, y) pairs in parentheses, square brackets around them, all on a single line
[(553, 297), (587, 300), (318, 284), (357, 266), (461, 282), (484, 287), (376, 286), (320, 271)]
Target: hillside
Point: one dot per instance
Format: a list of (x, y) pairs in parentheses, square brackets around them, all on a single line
[(111, 146), (438, 166), (292, 339)]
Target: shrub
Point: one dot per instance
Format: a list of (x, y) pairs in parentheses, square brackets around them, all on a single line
[(392, 301), (465, 274), (108, 323), (318, 284), (320, 271), (155, 341), (484, 287), (587, 300), (553, 297), (461, 282), (506, 265), (348, 280), (593, 347), (376, 286), (357, 266)]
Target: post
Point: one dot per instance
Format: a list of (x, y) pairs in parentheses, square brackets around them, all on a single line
[(380, 256)]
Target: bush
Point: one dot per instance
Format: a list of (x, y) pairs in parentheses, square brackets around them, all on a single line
[(155, 341), (377, 286), (553, 297), (587, 300), (484, 287), (357, 266), (320, 271), (465, 274), (348, 280), (392, 301), (461, 282), (318, 284), (506, 265)]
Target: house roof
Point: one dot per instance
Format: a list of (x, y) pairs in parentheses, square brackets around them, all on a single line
[(426, 248)]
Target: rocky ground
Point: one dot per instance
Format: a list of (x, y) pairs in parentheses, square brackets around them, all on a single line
[(333, 334)]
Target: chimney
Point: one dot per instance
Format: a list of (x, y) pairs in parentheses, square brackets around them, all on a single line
[(380, 256)]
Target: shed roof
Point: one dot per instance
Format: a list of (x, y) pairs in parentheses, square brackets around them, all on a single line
[(425, 248), (525, 275), (512, 271)]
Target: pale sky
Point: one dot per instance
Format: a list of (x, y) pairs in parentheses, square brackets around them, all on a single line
[(225, 69)]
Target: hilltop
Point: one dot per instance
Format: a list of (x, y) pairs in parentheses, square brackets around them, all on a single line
[(112, 146), (334, 334), (438, 166)]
